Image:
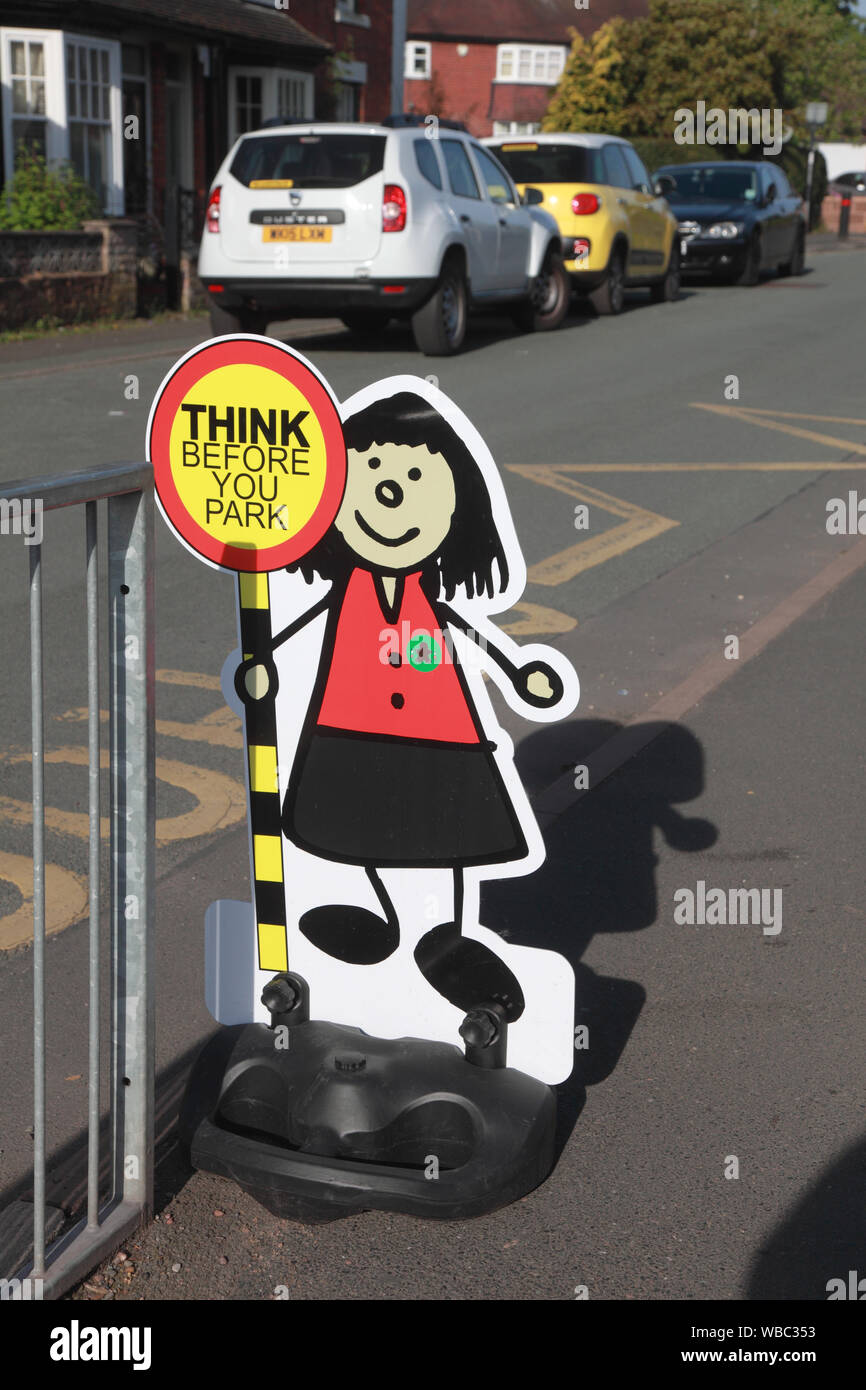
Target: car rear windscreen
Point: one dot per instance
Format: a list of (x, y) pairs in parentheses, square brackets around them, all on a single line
[(529, 163), (308, 161)]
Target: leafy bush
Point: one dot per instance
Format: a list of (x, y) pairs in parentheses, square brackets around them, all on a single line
[(656, 151), (39, 199)]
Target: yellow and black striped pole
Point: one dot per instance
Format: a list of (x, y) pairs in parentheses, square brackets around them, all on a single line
[(269, 892)]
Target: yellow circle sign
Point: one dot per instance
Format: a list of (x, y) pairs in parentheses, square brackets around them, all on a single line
[(248, 453)]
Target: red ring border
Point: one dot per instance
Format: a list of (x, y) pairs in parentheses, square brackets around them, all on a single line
[(244, 352)]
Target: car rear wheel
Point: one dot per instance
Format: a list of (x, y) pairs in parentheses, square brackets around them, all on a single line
[(439, 326), (235, 321), (365, 320), (548, 303), (749, 269), (667, 290), (797, 264), (609, 297)]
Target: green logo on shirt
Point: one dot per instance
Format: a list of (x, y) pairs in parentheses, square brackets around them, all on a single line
[(425, 654)]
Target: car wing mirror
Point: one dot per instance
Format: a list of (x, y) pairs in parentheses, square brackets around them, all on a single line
[(531, 197), (663, 185)]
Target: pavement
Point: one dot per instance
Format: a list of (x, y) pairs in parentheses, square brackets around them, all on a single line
[(709, 1043)]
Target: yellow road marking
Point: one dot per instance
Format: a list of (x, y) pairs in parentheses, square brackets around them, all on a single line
[(221, 727), (194, 678), (796, 415), (538, 620), (66, 899), (220, 800), (738, 413), (639, 525)]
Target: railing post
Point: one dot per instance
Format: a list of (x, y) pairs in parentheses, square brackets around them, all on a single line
[(131, 703)]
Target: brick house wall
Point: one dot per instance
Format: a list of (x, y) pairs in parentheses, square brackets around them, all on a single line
[(370, 45), (459, 88)]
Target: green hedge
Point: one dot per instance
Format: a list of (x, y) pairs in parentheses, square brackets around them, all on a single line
[(39, 199)]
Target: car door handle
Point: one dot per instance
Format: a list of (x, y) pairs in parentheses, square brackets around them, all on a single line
[(503, 222), (623, 202), (464, 217)]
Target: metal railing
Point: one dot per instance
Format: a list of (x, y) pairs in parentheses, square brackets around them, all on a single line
[(128, 489)]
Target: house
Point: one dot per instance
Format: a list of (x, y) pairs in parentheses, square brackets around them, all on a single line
[(493, 63), (359, 33), (144, 97)]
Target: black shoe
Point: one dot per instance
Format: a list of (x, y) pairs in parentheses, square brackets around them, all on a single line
[(351, 934), (466, 972)]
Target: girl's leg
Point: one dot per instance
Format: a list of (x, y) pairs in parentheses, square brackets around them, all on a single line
[(462, 969), (352, 933)]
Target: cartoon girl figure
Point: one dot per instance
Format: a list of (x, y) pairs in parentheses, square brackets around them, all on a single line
[(395, 766)]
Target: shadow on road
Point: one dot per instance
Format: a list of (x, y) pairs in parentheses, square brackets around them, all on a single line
[(599, 875), (823, 1238)]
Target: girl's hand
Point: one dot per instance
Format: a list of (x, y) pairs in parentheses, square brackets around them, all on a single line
[(254, 679), (539, 685)]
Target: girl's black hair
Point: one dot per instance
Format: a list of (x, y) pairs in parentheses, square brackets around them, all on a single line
[(472, 547)]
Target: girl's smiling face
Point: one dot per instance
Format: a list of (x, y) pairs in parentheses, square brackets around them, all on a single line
[(397, 507)]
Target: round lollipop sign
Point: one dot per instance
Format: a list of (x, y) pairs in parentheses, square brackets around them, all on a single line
[(248, 454)]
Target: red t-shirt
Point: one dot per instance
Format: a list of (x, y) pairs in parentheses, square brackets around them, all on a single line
[(393, 678)]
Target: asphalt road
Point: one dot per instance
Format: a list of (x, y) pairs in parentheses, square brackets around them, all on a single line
[(706, 521)]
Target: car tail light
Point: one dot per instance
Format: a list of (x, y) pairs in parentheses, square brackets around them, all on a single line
[(582, 203), (216, 289), (393, 208), (213, 210)]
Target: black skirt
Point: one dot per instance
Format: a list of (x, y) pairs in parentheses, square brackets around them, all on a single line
[(363, 799)]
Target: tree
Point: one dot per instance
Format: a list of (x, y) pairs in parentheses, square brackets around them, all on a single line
[(631, 77), (598, 84)]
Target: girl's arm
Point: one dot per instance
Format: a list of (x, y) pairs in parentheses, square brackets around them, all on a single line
[(257, 676), (538, 684)]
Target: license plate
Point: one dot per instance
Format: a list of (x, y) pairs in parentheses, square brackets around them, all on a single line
[(296, 233)]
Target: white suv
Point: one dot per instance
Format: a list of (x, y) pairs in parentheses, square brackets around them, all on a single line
[(370, 223)]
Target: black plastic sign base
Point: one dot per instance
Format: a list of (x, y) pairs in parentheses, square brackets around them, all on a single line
[(318, 1120)]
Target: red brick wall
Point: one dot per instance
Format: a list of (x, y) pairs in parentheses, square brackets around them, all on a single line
[(459, 88), (157, 116), (371, 46), (199, 136)]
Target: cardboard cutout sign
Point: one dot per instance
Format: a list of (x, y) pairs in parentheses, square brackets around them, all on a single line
[(382, 788)]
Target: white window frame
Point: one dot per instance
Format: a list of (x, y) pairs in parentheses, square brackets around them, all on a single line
[(412, 46), (270, 93), (55, 43), (545, 61), (516, 127), (346, 13), (115, 203)]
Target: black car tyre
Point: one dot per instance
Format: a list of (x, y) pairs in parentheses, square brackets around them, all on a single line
[(439, 326), (797, 264), (235, 321), (549, 300), (365, 320), (667, 290), (609, 297), (749, 269)]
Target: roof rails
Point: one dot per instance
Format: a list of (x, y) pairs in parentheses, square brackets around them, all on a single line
[(401, 119)]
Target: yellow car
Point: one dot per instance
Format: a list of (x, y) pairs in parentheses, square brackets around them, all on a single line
[(617, 231)]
